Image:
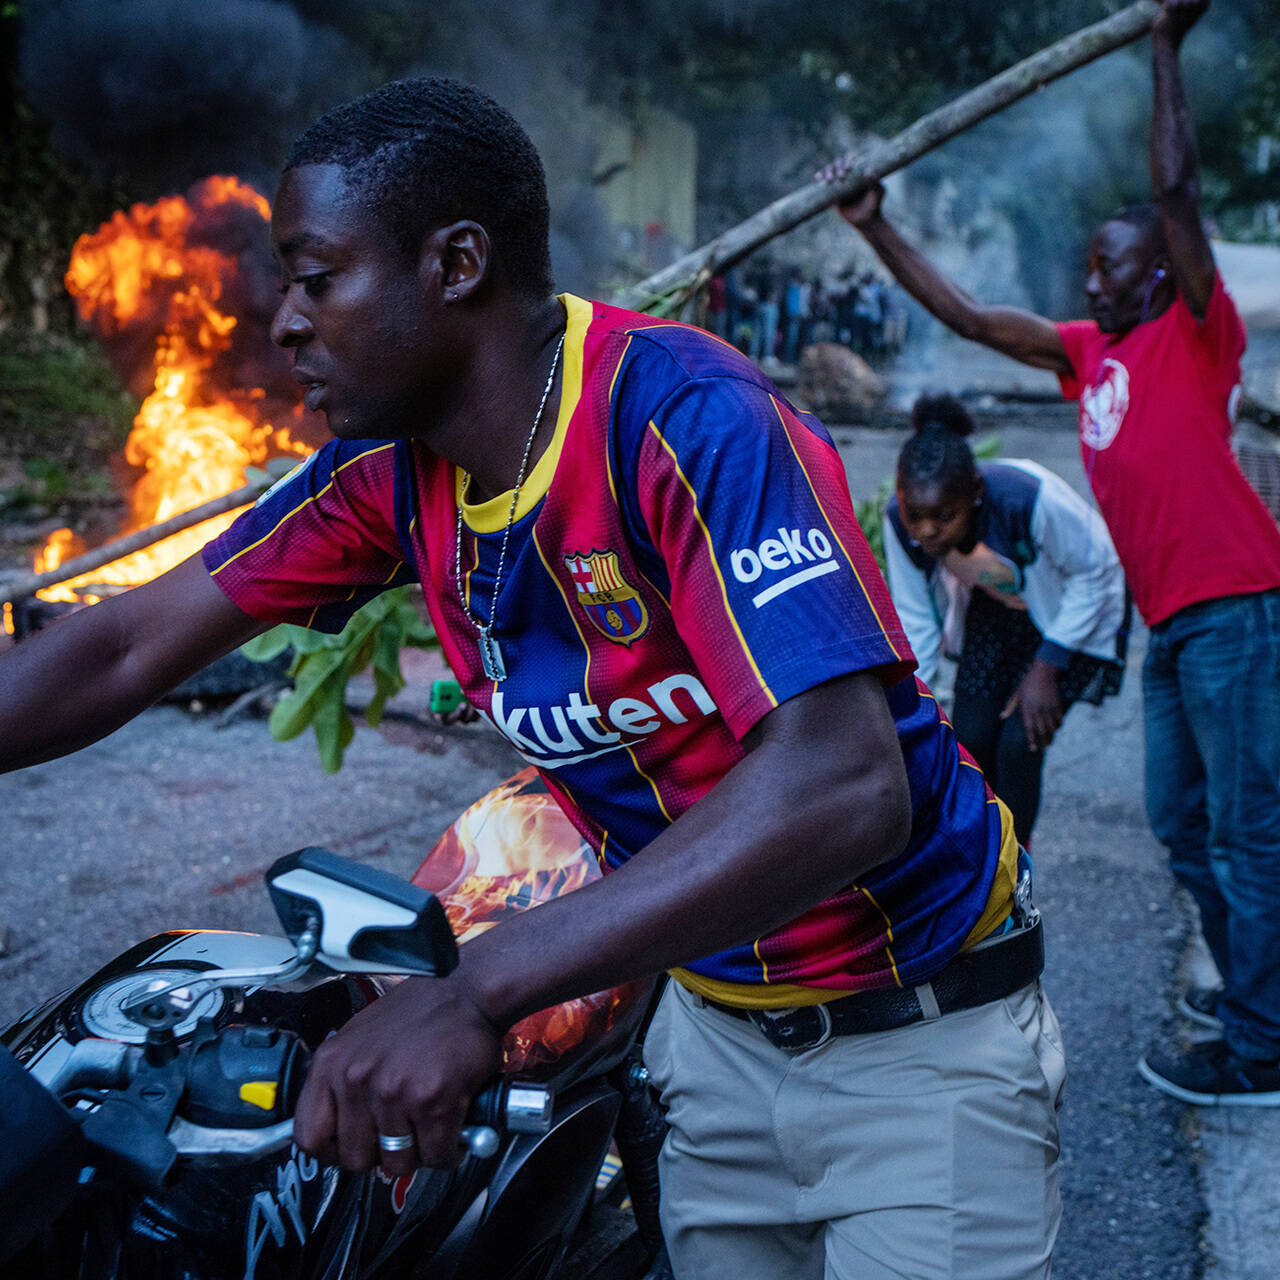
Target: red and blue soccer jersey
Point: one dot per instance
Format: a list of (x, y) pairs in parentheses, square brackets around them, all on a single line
[(684, 557)]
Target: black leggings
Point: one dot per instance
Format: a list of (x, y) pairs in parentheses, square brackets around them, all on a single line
[(1000, 748), (999, 645)]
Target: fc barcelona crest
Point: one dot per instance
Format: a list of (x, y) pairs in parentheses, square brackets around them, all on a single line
[(607, 598)]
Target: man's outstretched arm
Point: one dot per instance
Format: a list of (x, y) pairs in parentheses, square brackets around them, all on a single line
[(1175, 170), (86, 674), (1022, 335)]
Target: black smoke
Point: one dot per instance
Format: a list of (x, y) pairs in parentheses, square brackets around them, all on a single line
[(165, 92), (157, 94)]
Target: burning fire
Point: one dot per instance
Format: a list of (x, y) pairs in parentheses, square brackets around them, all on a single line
[(151, 269), (511, 850)]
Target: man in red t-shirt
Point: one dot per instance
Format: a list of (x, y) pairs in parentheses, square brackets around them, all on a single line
[(1156, 372)]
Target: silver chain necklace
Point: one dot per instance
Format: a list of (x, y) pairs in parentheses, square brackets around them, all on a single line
[(490, 652)]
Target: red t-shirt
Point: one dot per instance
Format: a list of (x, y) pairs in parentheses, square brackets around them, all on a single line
[(1155, 430)]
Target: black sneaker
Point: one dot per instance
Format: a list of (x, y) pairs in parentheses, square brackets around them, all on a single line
[(1200, 1005), (1211, 1075)]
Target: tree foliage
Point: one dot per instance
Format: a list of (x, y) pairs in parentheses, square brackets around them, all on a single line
[(45, 203)]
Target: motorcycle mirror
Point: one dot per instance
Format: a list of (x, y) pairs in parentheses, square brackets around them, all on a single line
[(369, 921)]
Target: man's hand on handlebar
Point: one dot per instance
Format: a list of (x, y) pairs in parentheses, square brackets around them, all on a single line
[(408, 1065)]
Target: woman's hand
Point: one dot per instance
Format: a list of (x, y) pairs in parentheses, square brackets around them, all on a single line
[(1038, 700)]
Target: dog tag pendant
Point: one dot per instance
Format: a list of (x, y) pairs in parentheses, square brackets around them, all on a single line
[(491, 656)]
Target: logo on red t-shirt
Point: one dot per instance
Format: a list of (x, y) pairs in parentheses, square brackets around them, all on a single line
[(1103, 405)]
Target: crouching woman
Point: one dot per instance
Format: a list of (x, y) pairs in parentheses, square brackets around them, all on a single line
[(1004, 567)]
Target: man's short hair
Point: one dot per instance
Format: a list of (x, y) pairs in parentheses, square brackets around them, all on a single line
[(1145, 217), (423, 153)]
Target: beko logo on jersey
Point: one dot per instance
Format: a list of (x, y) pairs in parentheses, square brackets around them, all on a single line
[(812, 549), (552, 737)]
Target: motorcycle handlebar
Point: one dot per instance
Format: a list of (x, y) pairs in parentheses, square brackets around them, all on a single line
[(510, 1106), (244, 1146)]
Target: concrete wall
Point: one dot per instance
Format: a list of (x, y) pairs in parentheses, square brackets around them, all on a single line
[(646, 170)]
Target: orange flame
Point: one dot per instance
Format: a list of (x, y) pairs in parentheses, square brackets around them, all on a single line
[(62, 545), (193, 445), (512, 850)]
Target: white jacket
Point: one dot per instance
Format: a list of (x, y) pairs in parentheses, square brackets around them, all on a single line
[(1066, 570)]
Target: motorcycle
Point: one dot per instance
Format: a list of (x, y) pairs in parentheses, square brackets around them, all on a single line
[(146, 1131)]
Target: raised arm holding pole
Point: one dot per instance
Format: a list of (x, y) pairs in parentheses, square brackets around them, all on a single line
[(1023, 335), (1175, 170), (1129, 261)]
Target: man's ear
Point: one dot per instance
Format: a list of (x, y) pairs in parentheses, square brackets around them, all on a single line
[(455, 260)]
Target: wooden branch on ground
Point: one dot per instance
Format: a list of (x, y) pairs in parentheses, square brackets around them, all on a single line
[(666, 291), (16, 586)]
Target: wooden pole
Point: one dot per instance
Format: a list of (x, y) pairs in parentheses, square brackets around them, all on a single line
[(16, 586), (668, 290)]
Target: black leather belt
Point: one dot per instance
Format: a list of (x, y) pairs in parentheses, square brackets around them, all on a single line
[(995, 970)]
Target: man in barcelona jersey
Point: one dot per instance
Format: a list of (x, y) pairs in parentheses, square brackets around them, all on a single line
[(645, 572)]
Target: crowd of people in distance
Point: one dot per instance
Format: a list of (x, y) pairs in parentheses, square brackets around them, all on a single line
[(771, 314)]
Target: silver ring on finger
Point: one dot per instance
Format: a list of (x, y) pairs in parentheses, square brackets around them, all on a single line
[(395, 1142)]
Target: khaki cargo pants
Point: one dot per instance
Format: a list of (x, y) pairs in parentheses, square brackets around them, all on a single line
[(925, 1153)]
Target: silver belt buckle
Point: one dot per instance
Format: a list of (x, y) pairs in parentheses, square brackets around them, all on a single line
[(794, 1030), (1025, 912)]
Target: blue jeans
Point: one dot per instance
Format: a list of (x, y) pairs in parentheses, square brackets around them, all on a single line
[(1211, 686), (765, 334)]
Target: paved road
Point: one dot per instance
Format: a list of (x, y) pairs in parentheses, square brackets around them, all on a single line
[(169, 823)]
